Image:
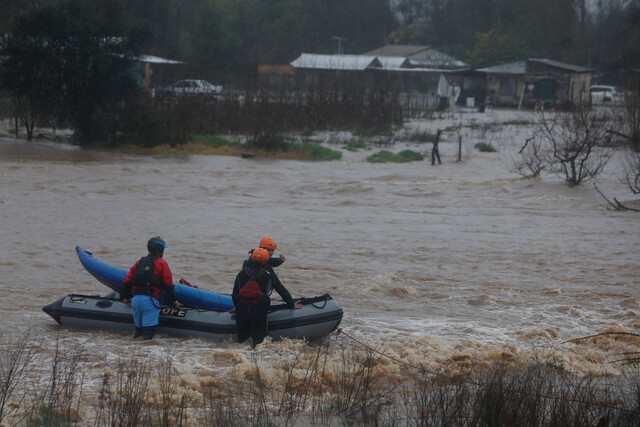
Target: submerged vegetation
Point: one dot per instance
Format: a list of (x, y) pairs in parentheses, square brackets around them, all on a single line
[(217, 145), (328, 383), (485, 147), (355, 145), (404, 156)]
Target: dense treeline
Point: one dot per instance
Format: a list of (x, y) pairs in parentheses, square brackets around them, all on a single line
[(218, 38), (593, 34)]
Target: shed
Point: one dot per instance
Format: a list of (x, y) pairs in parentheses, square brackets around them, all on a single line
[(535, 82), (276, 76), (158, 71), (335, 72), (393, 74)]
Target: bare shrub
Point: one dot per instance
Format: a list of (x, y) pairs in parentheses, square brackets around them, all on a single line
[(257, 398), (168, 405), (221, 406), (531, 159), (631, 130), (631, 384), (577, 142), (537, 394), (58, 401), (441, 401), (631, 170), (123, 394), (357, 394), (299, 384), (328, 386), (16, 364), (26, 114)]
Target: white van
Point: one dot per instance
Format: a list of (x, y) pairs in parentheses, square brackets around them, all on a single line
[(601, 94)]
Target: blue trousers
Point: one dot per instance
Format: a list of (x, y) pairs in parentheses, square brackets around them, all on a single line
[(146, 311)]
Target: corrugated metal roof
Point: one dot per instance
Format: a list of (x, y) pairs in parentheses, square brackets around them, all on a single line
[(518, 67), (438, 62), (336, 62), (420, 70), (418, 55), (393, 61), (558, 64), (156, 60)]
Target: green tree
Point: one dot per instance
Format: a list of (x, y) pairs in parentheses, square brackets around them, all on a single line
[(494, 48), (547, 26), (408, 34), (72, 59)]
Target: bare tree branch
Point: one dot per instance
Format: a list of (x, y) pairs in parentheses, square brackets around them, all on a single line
[(577, 140)]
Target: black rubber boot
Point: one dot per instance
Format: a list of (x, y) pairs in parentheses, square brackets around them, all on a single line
[(148, 332), (138, 333)]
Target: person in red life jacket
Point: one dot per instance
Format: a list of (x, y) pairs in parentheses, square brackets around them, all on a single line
[(146, 286), (250, 295), (268, 243)]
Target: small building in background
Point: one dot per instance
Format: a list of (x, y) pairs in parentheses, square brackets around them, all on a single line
[(157, 72), (276, 76), (419, 56), (388, 69), (413, 88), (340, 73), (535, 82)]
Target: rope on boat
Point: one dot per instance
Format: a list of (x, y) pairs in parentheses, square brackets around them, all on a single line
[(546, 396)]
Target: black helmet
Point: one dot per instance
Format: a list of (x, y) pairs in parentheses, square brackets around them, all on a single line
[(156, 246)]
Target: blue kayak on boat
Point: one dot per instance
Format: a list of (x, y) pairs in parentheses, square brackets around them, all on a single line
[(189, 296)]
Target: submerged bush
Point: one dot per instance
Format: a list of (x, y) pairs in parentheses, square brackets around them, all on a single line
[(485, 147), (316, 152), (518, 123), (401, 157), (354, 145), (212, 141)]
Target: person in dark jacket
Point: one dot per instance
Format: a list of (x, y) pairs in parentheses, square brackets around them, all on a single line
[(270, 244), (146, 286), (250, 296)]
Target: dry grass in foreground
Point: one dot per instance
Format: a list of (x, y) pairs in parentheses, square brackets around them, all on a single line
[(317, 385)]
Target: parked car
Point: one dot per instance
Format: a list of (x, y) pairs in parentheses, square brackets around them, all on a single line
[(601, 94), (190, 86)]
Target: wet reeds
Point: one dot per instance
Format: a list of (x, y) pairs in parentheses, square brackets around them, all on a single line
[(319, 384)]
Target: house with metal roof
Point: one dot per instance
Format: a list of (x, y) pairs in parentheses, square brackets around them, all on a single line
[(393, 74), (335, 62), (419, 56), (529, 83), (337, 72)]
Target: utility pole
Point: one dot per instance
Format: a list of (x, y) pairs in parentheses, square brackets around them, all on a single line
[(340, 40)]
